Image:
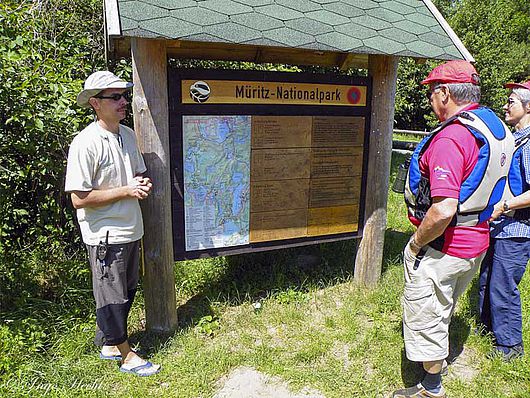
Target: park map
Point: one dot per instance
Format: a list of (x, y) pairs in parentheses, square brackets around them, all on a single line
[(216, 181)]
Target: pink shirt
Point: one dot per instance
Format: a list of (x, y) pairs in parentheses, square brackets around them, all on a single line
[(448, 161)]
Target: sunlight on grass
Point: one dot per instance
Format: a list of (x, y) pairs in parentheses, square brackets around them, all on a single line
[(296, 314)]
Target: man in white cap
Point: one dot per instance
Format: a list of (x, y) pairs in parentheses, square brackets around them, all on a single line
[(105, 179)]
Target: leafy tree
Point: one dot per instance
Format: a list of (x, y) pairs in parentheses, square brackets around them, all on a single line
[(412, 109), (47, 48), (496, 32)]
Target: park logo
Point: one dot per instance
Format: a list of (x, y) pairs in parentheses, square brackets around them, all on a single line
[(354, 95), (200, 91), (503, 159)]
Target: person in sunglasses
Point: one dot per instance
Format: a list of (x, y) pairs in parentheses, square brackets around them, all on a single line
[(104, 177), (509, 252), (455, 177)]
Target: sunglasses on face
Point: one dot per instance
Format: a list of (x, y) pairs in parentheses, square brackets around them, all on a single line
[(429, 93), (116, 96)]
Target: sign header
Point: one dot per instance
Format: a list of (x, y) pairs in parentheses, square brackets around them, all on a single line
[(257, 92)]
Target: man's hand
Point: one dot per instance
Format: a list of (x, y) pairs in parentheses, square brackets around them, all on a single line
[(140, 187), (497, 211), (413, 247)]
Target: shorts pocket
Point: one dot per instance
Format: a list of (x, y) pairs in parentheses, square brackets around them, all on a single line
[(420, 307)]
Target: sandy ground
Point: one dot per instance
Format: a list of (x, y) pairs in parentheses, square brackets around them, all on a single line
[(247, 382)]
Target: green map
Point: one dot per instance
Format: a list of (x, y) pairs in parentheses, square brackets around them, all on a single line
[(216, 181)]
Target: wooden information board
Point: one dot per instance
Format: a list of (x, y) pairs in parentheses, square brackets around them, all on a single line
[(265, 160)]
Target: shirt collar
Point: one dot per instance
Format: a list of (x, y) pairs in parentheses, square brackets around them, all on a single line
[(521, 133), (105, 134)]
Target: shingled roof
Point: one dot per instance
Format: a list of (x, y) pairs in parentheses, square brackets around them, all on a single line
[(411, 28)]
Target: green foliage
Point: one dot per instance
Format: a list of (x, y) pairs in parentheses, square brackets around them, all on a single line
[(208, 325), (496, 33), (412, 108), (290, 296), (48, 48)]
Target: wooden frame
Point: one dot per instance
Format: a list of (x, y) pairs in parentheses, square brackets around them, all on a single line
[(151, 119), (177, 109)]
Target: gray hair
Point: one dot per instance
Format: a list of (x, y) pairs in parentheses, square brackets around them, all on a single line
[(464, 93), (523, 94)]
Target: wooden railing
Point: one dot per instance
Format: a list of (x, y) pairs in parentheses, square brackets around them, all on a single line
[(407, 145)]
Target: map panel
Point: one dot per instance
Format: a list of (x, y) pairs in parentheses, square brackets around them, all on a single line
[(216, 180)]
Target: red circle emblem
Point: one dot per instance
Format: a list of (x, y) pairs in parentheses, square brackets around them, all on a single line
[(353, 95)]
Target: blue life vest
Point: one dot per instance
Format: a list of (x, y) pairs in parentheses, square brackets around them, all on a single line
[(484, 187), (516, 182)]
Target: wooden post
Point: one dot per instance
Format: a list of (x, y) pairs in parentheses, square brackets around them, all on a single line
[(369, 259), (151, 122)]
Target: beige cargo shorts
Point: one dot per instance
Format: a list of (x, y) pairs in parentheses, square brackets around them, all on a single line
[(433, 283)]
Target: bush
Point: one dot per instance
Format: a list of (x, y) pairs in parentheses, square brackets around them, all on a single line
[(48, 48)]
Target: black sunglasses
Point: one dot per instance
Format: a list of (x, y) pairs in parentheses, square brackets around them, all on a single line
[(430, 92), (511, 101), (116, 96)]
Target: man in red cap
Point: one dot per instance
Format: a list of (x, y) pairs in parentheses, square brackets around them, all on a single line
[(509, 252), (456, 175)]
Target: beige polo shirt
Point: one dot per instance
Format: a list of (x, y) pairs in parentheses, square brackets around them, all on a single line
[(98, 160)]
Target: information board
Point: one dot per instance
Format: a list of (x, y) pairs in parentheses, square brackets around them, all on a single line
[(258, 170)]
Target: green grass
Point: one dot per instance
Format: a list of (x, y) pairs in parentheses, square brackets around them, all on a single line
[(316, 328), (407, 137)]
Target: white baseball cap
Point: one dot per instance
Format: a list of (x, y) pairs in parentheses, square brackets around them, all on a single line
[(96, 83)]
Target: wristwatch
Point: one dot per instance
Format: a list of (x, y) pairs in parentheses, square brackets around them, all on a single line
[(505, 206)]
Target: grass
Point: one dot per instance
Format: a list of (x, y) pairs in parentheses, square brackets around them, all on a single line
[(407, 137), (315, 328)]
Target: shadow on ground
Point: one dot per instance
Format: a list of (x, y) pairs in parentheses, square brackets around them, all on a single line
[(412, 372), (395, 241), (254, 276)]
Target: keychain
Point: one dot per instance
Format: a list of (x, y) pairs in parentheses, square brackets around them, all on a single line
[(102, 254)]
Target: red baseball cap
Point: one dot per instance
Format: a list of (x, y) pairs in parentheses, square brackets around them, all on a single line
[(456, 71), (518, 85)]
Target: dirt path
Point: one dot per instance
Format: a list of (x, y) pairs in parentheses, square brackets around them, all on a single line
[(247, 382)]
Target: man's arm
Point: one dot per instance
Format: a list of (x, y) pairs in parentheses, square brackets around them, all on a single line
[(139, 189), (519, 202), (435, 222), (523, 200)]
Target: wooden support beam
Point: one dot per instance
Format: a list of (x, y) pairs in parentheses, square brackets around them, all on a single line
[(112, 18), (345, 60), (151, 123), (369, 259)]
